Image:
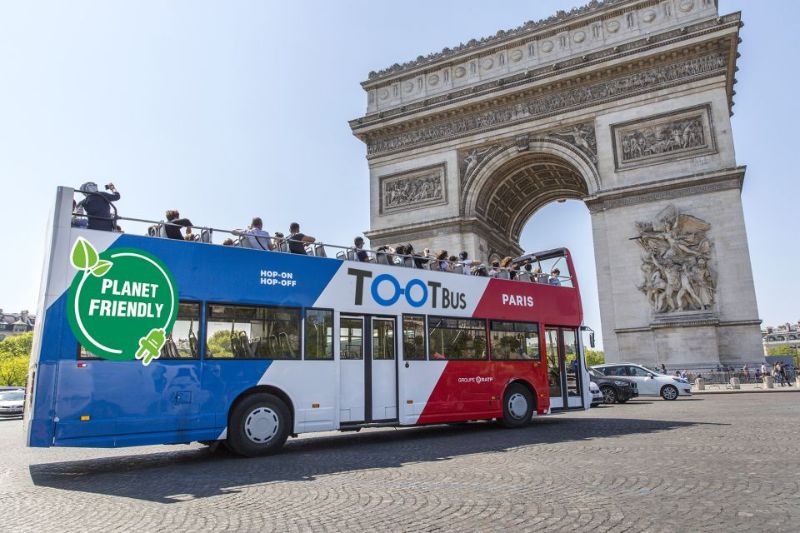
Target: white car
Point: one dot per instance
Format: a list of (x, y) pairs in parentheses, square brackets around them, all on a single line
[(649, 383), (597, 395)]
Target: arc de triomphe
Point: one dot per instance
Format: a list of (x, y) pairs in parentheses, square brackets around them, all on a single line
[(624, 104)]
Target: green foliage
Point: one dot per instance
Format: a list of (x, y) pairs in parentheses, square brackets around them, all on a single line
[(14, 371), (782, 349), (595, 357), (219, 344), (16, 346)]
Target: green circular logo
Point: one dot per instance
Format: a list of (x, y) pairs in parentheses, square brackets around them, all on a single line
[(122, 303)]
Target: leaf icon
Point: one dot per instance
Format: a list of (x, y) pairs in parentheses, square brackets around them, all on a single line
[(84, 256), (100, 269)]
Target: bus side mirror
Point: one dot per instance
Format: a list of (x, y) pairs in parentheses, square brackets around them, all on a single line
[(591, 339)]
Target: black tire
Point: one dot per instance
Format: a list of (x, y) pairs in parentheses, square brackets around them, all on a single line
[(609, 394), (517, 406), (620, 400), (258, 425), (669, 392)]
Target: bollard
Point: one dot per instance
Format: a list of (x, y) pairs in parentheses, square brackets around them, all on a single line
[(735, 383), (700, 384), (769, 382)]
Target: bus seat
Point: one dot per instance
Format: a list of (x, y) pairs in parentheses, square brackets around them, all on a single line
[(162, 230), (205, 236), (458, 269), (319, 250), (524, 276), (351, 254), (503, 274), (408, 262), (244, 242), (341, 255), (382, 259)]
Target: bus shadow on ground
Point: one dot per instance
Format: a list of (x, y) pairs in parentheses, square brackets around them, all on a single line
[(175, 476)]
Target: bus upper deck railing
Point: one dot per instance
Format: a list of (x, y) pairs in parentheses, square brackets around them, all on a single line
[(381, 256)]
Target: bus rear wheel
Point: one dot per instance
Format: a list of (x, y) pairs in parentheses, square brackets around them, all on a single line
[(258, 425), (517, 406)]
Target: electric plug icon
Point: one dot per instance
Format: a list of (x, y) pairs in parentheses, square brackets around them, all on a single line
[(150, 346)]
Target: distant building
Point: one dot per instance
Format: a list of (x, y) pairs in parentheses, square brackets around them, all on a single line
[(784, 335), (15, 323)]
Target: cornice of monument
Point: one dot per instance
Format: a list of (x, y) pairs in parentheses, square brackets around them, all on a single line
[(562, 20), (668, 189), (723, 33)]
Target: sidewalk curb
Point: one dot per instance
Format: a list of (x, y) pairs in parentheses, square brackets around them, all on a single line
[(746, 391)]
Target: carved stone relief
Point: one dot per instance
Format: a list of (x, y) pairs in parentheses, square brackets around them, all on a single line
[(676, 262), (411, 190), (540, 106), (663, 137), (581, 136)]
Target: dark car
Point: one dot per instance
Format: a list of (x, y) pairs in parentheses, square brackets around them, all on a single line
[(11, 402), (614, 389)]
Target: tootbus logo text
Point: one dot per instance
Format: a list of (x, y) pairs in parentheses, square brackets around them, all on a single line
[(386, 290)]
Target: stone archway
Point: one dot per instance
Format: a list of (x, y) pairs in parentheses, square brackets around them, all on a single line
[(622, 104)]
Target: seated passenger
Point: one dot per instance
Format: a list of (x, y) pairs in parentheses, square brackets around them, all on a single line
[(441, 261), (539, 276), (451, 263), (479, 270), (174, 224), (280, 243), (97, 206), (526, 274), (228, 242), (505, 266), (256, 236), (554, 277), (399, 259), (419, 260), (297, 241), (464, 260), (361, 254), (495, 270)]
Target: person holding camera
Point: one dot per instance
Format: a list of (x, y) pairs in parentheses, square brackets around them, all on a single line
[(97, 206)]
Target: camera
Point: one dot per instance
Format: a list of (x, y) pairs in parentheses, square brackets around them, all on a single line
[(109, 186)]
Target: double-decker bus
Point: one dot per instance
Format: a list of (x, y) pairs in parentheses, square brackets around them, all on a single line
[(261, 345)]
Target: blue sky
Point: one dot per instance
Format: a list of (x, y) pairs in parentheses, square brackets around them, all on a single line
[(229, 109)]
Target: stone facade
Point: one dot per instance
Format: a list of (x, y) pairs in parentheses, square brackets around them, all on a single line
[(624, 104)]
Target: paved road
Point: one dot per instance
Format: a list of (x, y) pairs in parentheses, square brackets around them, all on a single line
[(716, 463)]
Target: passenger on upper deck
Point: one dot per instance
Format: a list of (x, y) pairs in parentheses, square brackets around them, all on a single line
[(97, 206), (441, 261), (463, 258), (495, 270), (256, 236), (174, 224), (361, 254), (554, 277), (297, 241)]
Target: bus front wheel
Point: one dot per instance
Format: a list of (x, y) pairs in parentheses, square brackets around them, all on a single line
[(259, 425), (517, 406)]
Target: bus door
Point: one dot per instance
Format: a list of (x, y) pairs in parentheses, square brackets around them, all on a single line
[(368, 369), (564, 367)]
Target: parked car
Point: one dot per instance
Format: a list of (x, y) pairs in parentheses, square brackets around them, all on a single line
[(597, 396), (615, 389), (11, 402), (648, 382)]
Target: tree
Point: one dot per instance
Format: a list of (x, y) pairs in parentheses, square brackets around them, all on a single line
[(219, 344), (595, 357), (14, 371), (17, 345)]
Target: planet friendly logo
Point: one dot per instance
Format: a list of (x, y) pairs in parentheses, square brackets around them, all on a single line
[(122, 303)]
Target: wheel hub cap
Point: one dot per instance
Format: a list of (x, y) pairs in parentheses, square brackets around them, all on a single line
[(261, 425), (517, 405)]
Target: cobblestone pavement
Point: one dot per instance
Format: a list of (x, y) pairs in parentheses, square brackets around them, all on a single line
[(716, 463)]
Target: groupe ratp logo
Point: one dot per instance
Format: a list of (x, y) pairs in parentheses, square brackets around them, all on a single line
[(415, 292), (476, 379)]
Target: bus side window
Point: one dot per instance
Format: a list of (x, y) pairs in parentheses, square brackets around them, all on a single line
[(457, 338), (182, 340), (515, 340), (413, 338), (249, 332), (318, 339)]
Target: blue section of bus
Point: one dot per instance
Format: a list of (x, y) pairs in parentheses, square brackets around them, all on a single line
[(169, 401)]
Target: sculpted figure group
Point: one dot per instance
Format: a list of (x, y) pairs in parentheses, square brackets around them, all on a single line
[(676, 262)]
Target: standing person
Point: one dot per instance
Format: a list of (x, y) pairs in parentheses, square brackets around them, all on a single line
[(361, 254), (784, 376), (663, 368), (174, 224), (256, 236), (297, 241), (464, 259), (763, 369), (97, 206)]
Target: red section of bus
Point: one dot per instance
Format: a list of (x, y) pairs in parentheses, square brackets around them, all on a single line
[(473, 390), (530, 302)]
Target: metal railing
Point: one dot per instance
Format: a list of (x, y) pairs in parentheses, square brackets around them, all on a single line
[(382, 256)]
